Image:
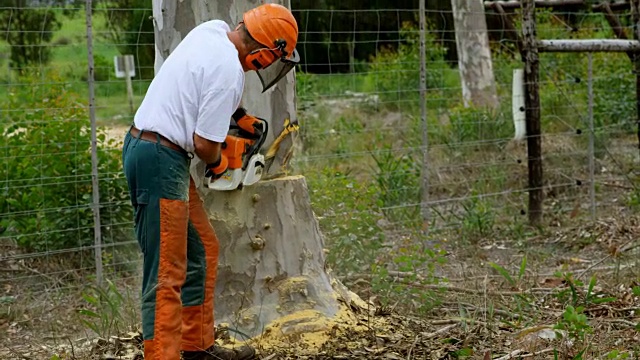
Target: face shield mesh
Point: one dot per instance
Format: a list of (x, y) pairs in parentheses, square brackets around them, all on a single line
[(270, 75)]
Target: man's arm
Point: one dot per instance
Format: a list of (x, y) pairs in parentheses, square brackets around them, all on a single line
[(207, 150)]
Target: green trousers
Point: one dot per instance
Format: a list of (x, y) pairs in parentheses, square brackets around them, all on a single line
[(179, 247)]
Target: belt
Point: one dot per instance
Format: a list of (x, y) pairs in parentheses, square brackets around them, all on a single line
[(153, 137)]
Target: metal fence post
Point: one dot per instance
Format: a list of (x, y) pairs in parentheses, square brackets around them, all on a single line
[(592, 135), (95, 203), (424, 208), (635, 16)]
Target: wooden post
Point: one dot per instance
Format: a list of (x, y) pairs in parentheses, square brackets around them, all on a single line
[(539, 3), (532, 104), (127, 76), (559, 4), (616, 26), (635, 13), (588, 45)]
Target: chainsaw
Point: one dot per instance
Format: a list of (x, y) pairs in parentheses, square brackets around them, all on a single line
[(246, 164)]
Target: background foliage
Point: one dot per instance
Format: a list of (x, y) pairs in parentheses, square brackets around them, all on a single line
[(45, 175)]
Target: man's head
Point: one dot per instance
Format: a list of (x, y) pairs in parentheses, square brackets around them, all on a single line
[(274, 27), (270, 32)]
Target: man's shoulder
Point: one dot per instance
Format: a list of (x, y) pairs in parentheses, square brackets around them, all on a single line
[(216, 25)]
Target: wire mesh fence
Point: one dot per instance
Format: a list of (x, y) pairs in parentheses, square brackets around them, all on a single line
[(362, 137), (48, 225)]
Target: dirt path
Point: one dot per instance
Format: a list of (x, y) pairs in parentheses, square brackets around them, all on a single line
[(116, 133)]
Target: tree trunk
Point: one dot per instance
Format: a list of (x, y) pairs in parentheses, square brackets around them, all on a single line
[(271, 261), (474, 54)]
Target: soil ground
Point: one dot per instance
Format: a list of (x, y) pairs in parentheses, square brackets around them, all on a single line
[(472, 309), (479, 312)]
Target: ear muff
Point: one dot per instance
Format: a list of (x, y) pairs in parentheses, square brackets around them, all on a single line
[(260, 59)]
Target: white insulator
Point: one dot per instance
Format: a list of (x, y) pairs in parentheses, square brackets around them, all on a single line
[(518, 105)]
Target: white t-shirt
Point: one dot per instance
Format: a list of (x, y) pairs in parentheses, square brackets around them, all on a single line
[(197, 89)]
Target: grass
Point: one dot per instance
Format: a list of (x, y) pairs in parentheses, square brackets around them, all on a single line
[(475, 263), (69, 60)]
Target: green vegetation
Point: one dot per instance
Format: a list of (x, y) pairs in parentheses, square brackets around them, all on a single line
[(29, 31), (362, 141), (46, 170), (67, 62), (130, 25), (108, 310), (365, 175)]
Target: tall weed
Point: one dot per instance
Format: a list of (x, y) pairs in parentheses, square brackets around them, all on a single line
[(398, 178), (346, 206)]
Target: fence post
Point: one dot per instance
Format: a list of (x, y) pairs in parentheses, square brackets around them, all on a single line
[(592, 141), (95, 203), (424, 202), (532, 104), (635, 14)]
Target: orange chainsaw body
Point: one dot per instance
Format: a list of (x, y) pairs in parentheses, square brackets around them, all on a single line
[(246, 164), (235, 148)]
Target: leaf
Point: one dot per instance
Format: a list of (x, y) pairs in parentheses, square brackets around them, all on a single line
[(7, 299), (89, 313), (90, 299), (604, 300), (523, 268), (579, 355), (502, 271), (464, 352)]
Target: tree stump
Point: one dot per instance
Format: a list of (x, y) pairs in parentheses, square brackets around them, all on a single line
[(272, 263)]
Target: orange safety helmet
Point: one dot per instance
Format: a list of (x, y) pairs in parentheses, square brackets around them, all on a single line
[(274, 27)]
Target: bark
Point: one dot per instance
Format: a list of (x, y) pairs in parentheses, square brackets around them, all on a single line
[(271, 263), (474, 54), (272, 260), (532, 109)]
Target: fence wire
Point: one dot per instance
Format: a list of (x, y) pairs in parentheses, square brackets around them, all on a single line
[(361, 136)]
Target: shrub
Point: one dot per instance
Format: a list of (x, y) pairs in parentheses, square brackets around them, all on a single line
[(395, 75), (102, 68), (45, 177)]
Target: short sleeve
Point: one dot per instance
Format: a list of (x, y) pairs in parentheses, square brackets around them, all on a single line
[(214, 113)]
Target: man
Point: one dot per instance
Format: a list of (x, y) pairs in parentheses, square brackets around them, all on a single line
[(187, 110)]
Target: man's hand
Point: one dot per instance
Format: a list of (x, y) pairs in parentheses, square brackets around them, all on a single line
[(248, 123), (216, 169)]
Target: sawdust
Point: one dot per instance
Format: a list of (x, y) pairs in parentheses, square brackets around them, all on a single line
[(293, 285), (308, 331)]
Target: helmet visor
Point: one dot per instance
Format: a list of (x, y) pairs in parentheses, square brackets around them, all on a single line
[(270, 75)]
